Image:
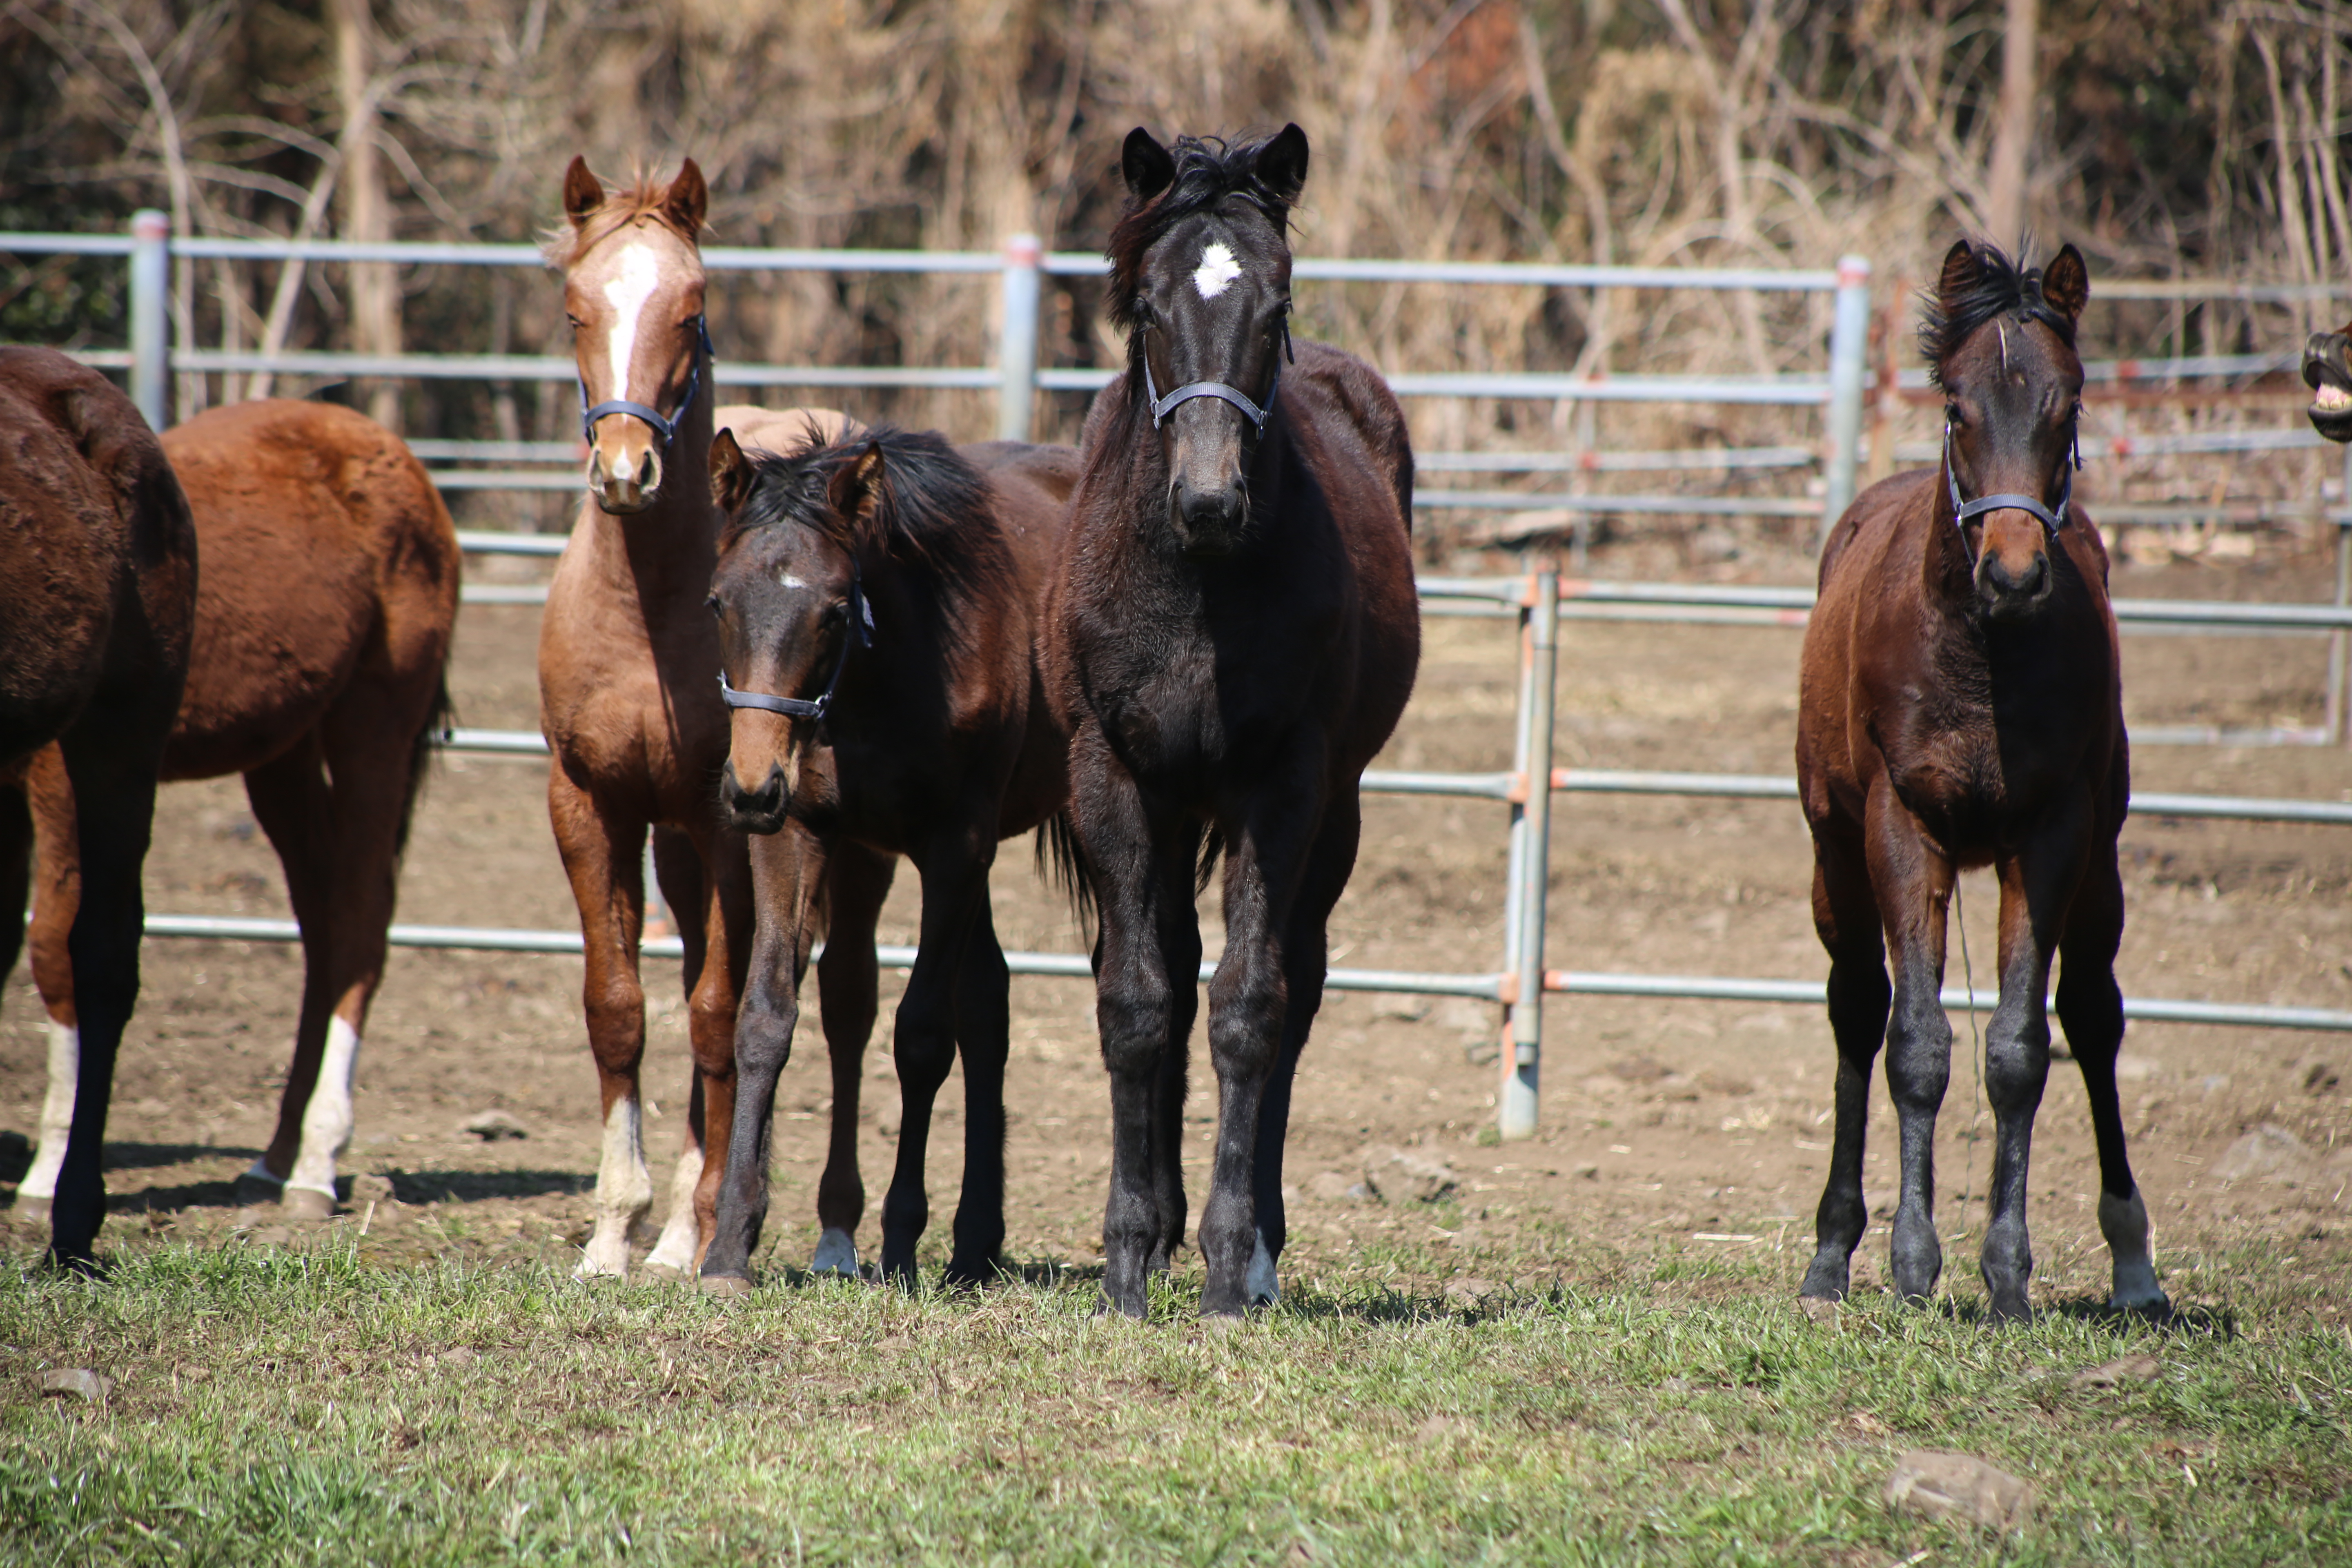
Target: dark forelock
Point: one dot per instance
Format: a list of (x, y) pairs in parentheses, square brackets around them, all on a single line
[(2002, 288), (1210, 172)]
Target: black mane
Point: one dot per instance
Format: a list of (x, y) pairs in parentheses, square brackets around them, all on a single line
[(2001, 289), (1210, 172), (934, 512)]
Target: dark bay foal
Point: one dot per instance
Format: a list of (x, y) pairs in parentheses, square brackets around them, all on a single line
[(1960, 706), (876, 598), (1231, 639)]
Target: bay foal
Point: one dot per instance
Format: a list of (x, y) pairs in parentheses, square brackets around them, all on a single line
[(626, 701), (1960, 706), (322, 629), (97, 594), (877, 599), (1230, 639)]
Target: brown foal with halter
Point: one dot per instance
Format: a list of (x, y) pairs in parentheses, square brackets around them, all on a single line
[(1960, 706), (626, 700)]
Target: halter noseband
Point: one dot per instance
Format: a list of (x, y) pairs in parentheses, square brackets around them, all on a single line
[(1163, 406), (861, 626), (666, 428), (1962, 511)]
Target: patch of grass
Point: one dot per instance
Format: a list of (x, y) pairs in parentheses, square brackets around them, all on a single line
[(296, 1406)]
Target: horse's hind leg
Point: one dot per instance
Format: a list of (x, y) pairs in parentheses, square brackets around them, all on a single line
[(1303, 950), (1845, 914), (848, 988), (114, 802), (294, 804), (56, 862), (2092, 1008), (983, 1012)]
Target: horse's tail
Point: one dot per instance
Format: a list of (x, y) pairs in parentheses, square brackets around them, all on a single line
[(1062, 861), (1212, 849), (439, 720)]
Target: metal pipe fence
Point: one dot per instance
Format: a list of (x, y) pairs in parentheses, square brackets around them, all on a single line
[(1538, 601)]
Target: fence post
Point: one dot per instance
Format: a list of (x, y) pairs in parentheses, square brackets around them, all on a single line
[(2340, 645), (1017, 346), (150, 337), (1531, 863), (1849, 357)]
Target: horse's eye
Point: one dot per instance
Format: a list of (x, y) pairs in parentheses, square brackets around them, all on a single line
[(712, 602), (1952, 415)]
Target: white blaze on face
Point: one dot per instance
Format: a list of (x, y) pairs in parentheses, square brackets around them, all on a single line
[(789, 581), (628, 290), (1217, 270)]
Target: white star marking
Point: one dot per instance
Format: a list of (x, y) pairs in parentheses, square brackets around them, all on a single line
[(1217, 270)]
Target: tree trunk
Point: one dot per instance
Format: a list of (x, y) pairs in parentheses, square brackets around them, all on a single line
[(2005, 204), (367, 213)]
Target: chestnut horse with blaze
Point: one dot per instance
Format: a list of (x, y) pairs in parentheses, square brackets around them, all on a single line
[(98, 595), (627, 701), (323, 621), (1961, 705)]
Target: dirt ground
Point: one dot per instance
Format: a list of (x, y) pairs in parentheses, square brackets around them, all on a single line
[(1689, 1125)]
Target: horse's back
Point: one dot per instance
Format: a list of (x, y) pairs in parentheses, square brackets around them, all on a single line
[(97, 556), (328, 547), (782, 431)]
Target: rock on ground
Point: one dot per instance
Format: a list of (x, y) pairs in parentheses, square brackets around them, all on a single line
[(1934, 1484)]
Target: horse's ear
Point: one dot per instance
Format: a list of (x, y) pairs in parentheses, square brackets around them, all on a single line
[(731, 473), (1145, 164), (1959, 274), (2066, 283), (855, 482), (582, 193), (687, 200), (1282, 164)]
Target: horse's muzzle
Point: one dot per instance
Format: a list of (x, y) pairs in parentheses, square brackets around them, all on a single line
[(1208, 523), (2327, 371), (625, 488), (2012, 595), (754, 811)]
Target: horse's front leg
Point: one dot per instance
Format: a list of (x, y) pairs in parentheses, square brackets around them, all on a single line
[(983, 1016), (1140, 862), (603, 849), (954, 869), (787, 870), (1249, 1003), (726, 925), (1912, 881), (856, 880), (2037, 884)]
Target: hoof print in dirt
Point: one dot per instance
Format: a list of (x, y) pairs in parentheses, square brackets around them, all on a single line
[(1396, 1176), (1932, 1484), (493, 1126)]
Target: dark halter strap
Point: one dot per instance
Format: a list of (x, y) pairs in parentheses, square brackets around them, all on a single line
[(2052, 522), (1163, 406), (861, 626), (666, 428)]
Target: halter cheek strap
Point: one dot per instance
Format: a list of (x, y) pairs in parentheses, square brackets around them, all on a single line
[(1163, 406), (861, 627), (2052, 522), (666, 428)]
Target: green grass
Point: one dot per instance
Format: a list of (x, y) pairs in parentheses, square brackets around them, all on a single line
[(300, 1406)]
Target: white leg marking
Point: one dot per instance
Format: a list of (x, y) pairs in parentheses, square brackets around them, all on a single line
[(625, 1191), (2124, 1222), (327, 1120), (1217, 270), (836, 1253), (640, 275), (57, 1112), (1265, 1288), (679, 1241)]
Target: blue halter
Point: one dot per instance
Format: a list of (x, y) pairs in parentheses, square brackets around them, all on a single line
[(861, 624), (1163, 406), (666, 428)]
